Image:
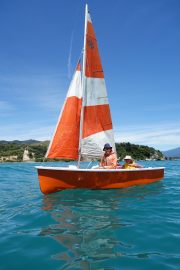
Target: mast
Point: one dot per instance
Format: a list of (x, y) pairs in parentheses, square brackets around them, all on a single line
[(83, 84)]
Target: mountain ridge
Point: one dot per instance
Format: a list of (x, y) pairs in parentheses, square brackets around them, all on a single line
[(28, 142), (175, 152)]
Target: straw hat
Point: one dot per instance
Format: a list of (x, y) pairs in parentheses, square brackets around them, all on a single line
[(128, 157)]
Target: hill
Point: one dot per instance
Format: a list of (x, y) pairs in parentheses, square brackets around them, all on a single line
[(26, 142), (138, 152), (14, 150), (173, 153)]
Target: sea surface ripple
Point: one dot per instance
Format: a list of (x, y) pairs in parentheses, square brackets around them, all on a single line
[(132, 228)]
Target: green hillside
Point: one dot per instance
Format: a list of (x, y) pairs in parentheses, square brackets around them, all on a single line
[(13, 151), (138, 152)]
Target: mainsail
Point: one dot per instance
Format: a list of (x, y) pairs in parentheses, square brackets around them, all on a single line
[(65, 141), (97, 124)]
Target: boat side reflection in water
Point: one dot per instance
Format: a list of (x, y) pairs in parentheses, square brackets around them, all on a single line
[(94, 228)]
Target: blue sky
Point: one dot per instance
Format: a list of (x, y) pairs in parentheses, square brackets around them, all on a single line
[(139, 43)]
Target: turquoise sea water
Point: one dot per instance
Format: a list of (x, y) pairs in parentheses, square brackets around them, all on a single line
[(133, 228)]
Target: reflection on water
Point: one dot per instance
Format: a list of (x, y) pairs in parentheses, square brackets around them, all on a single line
[(89, 225)]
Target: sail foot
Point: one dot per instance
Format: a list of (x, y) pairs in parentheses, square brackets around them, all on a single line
[(92, 146)]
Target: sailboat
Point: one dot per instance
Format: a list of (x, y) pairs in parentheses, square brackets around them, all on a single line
[(83, 127)]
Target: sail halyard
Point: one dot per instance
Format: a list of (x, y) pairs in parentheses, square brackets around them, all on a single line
[(83, 82)]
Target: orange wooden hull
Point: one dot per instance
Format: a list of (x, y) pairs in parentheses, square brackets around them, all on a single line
[(53, 179)]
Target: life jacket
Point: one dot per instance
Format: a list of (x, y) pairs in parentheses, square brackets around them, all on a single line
[(127, 166), (110, 160)]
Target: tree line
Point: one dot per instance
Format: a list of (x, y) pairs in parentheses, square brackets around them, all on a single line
[(37, 151)]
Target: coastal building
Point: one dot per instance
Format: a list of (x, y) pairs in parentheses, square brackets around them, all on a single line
[(8, 158), (26, 156)]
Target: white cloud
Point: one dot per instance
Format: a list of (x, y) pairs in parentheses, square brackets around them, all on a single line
[(25, 131), (41, 90), (162, 136)]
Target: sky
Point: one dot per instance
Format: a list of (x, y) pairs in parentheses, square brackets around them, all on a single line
[(139, 44)]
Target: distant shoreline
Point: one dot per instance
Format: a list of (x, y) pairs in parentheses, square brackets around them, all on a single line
[(35, 151)]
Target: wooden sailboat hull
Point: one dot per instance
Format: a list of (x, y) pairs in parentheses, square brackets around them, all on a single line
[(53, 179)]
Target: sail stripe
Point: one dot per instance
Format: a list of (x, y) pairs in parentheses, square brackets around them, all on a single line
[(66, 138), (95, 92), (78, 68), (74, 86), (93, 60), (93, 144), (96, 119), (65, 141), (89, 18)]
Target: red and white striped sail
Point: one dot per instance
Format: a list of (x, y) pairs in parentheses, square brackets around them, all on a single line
[(97, 124), (65, 141)]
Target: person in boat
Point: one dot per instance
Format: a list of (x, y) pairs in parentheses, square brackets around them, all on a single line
[(109, 159), (129, 163)]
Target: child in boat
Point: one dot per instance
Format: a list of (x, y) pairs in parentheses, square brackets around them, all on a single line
[(109, 159), (129, 163)]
